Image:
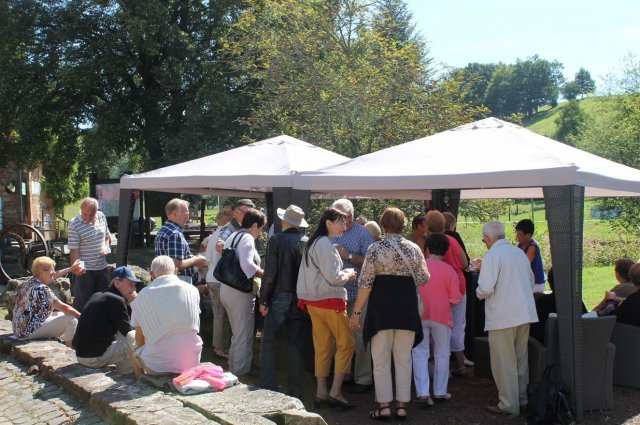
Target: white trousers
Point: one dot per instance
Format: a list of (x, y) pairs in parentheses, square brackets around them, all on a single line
[(383, 344), (57, 325), (440, 334)]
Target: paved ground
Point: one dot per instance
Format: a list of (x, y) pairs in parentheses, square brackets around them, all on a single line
[(30, 399)]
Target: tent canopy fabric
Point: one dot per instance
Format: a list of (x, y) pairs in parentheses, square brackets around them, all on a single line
[(489, 158), (252, 169)]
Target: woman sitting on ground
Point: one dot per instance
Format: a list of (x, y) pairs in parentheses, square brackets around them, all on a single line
[(34, 316)]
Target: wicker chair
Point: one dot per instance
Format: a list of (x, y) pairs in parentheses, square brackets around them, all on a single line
[(598, 356), (626, 338)]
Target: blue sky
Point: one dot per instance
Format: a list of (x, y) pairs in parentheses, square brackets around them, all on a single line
[(592, 34)]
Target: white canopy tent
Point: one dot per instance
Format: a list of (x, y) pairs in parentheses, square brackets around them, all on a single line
[(485, 159), (495, 159), (251, 170)]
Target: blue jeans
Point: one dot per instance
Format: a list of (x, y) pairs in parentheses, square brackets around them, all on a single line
[(279, 325)]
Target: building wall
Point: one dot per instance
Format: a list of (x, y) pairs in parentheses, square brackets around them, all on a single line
[(33, 208)]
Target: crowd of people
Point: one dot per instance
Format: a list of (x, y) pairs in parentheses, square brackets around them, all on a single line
[(370, 299)]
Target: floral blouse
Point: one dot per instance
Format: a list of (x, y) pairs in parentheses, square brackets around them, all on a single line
[(33, 306), (383, 259)]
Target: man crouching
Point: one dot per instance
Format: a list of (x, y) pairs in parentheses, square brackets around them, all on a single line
[(101, 336), (166, 319)]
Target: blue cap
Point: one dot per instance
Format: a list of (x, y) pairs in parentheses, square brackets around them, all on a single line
[(124, 272)]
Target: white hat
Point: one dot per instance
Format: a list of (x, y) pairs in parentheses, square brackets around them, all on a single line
[(293, 215)]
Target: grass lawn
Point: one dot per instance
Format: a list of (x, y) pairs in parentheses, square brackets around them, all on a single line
[(595, 282)]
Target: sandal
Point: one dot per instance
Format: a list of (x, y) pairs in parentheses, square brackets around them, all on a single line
[(403, 416), (377, 414)]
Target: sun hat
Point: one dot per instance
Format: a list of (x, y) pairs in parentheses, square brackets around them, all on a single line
[(293, 215)]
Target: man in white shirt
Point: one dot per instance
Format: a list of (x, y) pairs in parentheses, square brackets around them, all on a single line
[(165, 316), (506, 284)]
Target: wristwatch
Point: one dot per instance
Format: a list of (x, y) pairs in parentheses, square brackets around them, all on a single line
[(350, 257)]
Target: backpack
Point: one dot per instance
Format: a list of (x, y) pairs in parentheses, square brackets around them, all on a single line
[(550, 403)]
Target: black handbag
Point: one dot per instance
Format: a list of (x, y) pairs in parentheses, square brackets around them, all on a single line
[(228, 270)]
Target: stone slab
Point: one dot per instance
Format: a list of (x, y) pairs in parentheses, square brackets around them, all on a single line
[(156, 408), (231, 405)]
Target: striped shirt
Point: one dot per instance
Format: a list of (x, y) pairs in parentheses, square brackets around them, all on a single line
[(170, 241), (88, 239)]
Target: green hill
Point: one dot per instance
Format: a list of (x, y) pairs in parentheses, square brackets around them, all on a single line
[(544, 122)]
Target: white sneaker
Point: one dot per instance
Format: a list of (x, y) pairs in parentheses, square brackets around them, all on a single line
[(468, 362)]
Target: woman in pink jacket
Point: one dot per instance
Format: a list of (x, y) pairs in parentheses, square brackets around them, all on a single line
[(437, 321)]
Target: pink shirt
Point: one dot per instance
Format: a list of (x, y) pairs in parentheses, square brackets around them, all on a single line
[(441, 291), (452, 258)]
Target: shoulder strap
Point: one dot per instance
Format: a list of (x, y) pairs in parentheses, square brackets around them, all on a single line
[(235, 241), (404, 257)]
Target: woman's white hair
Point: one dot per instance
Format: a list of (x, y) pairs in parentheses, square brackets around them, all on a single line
[(494, 230), (162, 265), (344, 205)]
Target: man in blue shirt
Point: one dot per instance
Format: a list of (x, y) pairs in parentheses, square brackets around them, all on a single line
[(170, 241), (352, 247)]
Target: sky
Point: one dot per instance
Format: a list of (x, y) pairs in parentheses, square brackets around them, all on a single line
[(590, 34)]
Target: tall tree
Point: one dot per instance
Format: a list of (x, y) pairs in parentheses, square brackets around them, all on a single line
[(38, 115), (342, 74), (113, 79), (524, 86), (584, 82), (476, 78)]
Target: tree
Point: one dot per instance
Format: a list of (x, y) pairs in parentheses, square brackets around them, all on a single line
[(570, 90), (476, 78), (569, 122), (344, 75), (116, 78), (38, 116), (483, 210), (584, 82), (523, 87)]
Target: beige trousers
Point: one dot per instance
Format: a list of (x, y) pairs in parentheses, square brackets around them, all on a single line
[(510, 366), (383, 344)]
